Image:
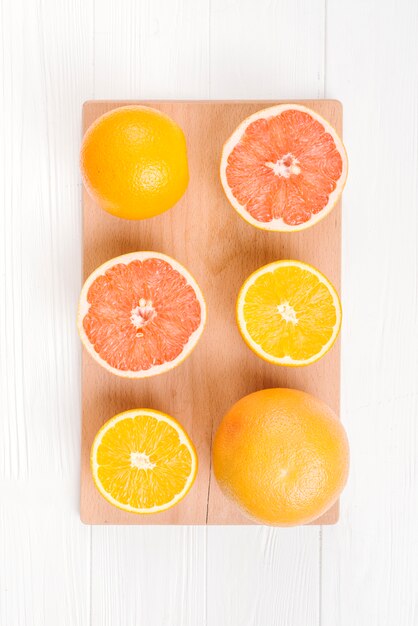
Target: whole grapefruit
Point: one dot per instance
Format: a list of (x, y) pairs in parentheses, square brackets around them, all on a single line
[(282, 456)]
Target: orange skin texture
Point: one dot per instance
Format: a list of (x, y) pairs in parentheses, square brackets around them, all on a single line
[(282, 456), (134, 162)]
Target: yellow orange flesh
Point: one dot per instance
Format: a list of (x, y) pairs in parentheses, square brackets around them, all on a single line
[(282, 456), (134, 162), (143, 461), (289, 313)]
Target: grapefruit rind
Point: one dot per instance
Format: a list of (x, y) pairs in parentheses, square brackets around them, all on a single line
[(278, 225), (184, 439), (227, 486), (255, 347), (84, 307)]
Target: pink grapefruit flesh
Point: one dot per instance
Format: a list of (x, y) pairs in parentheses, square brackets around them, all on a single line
[(284, 168), (140, 314)]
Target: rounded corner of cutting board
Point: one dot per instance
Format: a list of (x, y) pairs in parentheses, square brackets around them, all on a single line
[(200, 407)]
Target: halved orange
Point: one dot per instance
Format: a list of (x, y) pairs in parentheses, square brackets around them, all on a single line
[(289, 313), (140, 314), (284, 168), (143, 461)]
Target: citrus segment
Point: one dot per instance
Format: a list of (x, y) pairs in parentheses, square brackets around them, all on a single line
[(288, 313), (283, 168), (281, 455), (143, 461), (140, 314)]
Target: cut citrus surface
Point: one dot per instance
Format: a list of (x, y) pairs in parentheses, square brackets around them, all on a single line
[(140, 314), (282, 456), (284, 168), (289, 313), (143, 461)]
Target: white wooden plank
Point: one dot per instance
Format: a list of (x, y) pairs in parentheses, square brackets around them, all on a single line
[(267, 49), (46, 76), (149, 575), (45, 557), (370, 560), (259, 576), (45, 69), (152, 49)]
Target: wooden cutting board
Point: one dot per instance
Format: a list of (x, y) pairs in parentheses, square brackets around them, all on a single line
[(220, 249)]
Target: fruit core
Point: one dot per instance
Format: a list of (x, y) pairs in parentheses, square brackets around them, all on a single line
[(285, 166), (287, 312), (142, 314), (141, 461)]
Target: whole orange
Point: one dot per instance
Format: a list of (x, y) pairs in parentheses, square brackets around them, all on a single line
[(134, 162), (282, 456)]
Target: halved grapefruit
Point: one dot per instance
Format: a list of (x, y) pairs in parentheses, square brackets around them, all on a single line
[(284, 168), (140, 314)]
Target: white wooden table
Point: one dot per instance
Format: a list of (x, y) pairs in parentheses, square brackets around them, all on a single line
[(57, 53)]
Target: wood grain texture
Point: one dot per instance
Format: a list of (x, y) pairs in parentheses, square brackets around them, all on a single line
[(209, 38), (205, 234), (370, 560), (285, 59), (54, 56)]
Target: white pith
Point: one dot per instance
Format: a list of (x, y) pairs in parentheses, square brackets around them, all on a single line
[(141, 461), (183, 440), (287, 312), (281, 169), (278, 224), (287, 360), (143, 313), (84, 307)]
